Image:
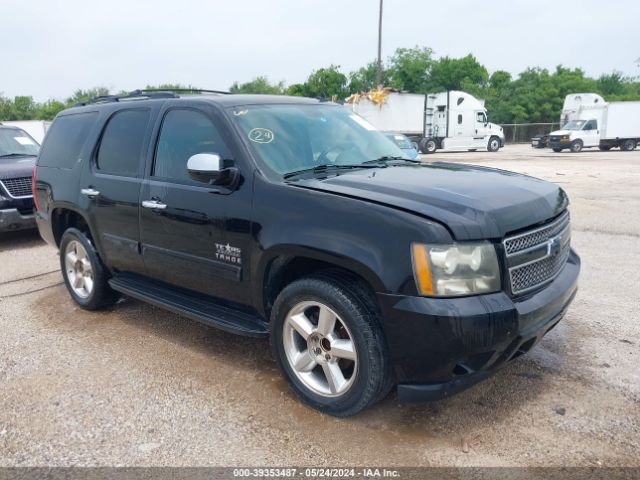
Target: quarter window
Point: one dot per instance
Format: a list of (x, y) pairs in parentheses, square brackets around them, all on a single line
[(460, 119), (65, 139), (121, 146), (185, 133)]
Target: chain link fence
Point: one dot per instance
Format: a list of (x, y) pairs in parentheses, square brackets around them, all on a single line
[(523, 132)]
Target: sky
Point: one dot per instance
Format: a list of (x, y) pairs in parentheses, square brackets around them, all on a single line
[(51, 48)]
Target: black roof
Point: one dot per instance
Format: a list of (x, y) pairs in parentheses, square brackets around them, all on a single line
[(142, 97)]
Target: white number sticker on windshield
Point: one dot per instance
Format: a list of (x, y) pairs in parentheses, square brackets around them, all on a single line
[(24, 140), (261, 135)]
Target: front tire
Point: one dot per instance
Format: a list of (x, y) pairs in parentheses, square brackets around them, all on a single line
[(494, 144), (84, 274), (576, 146), (329, 344)]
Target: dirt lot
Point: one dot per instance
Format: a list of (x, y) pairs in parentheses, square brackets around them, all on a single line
[(139, 386)]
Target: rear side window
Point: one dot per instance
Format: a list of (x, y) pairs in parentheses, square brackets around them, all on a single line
[(121, 144), (65, 139)]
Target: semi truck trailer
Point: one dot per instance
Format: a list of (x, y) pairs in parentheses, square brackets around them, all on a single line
[(450, 120)]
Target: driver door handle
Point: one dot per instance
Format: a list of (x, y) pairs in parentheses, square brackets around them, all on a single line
[(153, 204), (90, 192)]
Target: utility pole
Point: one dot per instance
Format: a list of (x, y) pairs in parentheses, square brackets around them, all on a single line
[(379, 65)]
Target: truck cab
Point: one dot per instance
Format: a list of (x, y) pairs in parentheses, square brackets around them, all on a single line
[(576, 135), (458, 120)]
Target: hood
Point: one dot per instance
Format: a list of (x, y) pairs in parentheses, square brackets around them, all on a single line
[(14, 167), (473, 202), (562, 132), (496, 128)]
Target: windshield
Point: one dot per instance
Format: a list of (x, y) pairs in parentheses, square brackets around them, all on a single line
[(14, 142), (400, 140), (574, 125), (290, 138)]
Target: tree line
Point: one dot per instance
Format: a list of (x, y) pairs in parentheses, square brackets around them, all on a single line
[(535, 95)]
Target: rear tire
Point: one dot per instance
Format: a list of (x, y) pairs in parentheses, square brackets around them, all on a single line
[(428, 145), (557, 150), (576, 146), (628, 145), (306, 349), (494, 144), (84, 274)]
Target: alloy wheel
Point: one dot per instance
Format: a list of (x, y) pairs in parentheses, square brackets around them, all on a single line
[(320, 349), (78, 268)]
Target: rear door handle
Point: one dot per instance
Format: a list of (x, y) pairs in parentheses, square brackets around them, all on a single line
[(90, 192), (153, 204)]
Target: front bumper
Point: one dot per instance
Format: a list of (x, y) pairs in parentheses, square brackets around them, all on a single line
[(559, 144), (440, 346), (12, 219)]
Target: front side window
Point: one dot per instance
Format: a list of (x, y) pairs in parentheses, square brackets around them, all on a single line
[(121, 146), (290, 138), (184, 134), (591, 125), (481, 117)]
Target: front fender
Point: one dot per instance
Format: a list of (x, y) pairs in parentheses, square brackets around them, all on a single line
[(369, 239)]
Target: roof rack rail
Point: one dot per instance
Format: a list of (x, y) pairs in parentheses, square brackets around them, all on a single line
[(148, 93), (135, 94), (186, 90)]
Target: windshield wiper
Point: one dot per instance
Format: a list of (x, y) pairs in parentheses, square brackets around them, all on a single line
[(388, 158), (7, 155), (325, 167)]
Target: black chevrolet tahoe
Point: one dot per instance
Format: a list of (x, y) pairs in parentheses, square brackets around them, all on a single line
[(18, 151), (295, 219)]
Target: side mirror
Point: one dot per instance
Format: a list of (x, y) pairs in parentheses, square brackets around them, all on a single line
[(209, 168)]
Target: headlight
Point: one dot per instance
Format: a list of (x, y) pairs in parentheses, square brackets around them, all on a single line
[(455, 270)]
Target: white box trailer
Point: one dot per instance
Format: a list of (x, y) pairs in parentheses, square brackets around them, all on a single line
[(36, 128), (592, 122), (445, 120), (621, 120)]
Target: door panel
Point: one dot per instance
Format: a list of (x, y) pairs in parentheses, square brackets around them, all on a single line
[(591, 134), (110, 184), (200, 237)]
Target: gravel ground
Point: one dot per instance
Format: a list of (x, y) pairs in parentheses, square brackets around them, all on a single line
[(136, 385)]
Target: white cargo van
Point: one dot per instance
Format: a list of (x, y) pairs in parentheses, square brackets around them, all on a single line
[(446, 120), (592, 122)]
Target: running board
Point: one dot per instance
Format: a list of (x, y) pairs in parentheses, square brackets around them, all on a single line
[(196, 306)]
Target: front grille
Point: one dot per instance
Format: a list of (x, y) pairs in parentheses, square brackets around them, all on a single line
[(17, 187), (549, 246), (526, 240)]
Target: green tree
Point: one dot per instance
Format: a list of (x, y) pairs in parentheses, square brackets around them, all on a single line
[(296, 90), (327, 82), (464, 73), (258, 85), (410, 68), (364, 79), (80, 95), (24, 108), (49, 109)]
